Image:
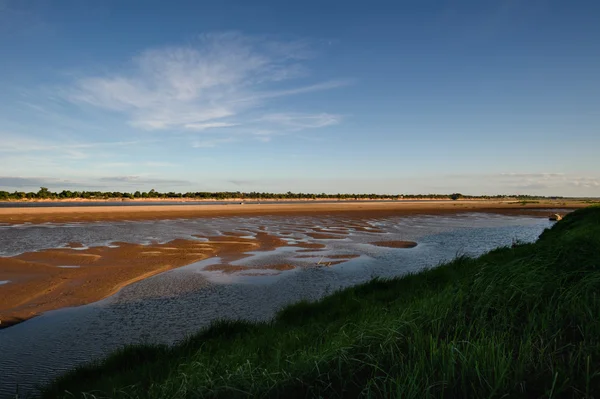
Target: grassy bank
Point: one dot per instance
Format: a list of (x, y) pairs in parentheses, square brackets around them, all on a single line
[(517, 322)]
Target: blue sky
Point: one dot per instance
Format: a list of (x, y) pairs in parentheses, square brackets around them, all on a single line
[(480, 97)]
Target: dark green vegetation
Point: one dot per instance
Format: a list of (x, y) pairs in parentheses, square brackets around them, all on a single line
[(526, 202), (44, 193), (517, 322)]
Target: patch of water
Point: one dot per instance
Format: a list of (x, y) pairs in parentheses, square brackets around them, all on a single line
[(167, 307)]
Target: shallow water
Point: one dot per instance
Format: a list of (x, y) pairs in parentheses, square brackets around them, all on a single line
[(167, 307)]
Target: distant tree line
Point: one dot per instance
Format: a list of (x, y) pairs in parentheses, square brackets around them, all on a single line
[(44, 193)]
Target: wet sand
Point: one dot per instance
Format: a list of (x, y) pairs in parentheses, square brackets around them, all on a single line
[(35, 282), (56, 278), (149, 212)]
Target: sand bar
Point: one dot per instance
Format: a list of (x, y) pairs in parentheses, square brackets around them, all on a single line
[(38, 281), (148, 212)]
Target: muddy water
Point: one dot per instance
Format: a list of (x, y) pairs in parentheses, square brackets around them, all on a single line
[(169, 306)]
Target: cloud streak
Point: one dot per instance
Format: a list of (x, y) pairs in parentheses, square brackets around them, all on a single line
[(302, 121), (140, 180), (18, 144)]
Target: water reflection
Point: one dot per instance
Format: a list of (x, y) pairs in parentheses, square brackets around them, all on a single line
[(168, 307)]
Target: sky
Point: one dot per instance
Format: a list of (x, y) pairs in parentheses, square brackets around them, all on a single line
[(478, 97)]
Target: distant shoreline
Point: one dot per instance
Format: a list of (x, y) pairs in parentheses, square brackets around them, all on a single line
[(80, 213), (252, 199), (51, 203)]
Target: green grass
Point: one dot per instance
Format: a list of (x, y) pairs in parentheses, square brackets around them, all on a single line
[(517, 322)]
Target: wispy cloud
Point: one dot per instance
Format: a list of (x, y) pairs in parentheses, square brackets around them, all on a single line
[(302, 121), (16, 143), (102, 183), (208, 125), (208, 85), (334, 84)]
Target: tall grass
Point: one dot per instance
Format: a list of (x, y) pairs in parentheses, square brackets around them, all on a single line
[(517, 322)]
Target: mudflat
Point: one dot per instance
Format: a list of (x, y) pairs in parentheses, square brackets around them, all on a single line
[(55, 278)]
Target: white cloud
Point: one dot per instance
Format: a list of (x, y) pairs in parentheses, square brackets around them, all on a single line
[(209, 125), (204, 86)]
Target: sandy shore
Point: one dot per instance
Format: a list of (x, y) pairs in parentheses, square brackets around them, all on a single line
[(147, 212), (56, 278)]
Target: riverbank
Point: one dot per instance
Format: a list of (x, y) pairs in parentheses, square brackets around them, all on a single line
[(517, 322), (66, 214)]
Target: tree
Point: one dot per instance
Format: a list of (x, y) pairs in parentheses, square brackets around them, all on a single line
[(455, 196), (43, 193)]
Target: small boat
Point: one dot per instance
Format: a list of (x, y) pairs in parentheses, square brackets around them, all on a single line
[(555, 217)]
